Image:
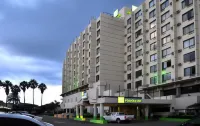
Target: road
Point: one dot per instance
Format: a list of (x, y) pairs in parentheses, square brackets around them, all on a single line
[(66, 122)]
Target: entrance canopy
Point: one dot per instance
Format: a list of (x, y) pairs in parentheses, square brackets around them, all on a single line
[(132, 100), (195, 105)]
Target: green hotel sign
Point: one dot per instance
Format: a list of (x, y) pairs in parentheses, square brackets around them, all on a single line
[(128, 100)]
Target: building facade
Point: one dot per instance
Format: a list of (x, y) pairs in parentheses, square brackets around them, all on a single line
[(149, 52)]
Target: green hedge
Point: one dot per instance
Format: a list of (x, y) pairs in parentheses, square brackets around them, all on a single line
[(174, 119), (182, 116)]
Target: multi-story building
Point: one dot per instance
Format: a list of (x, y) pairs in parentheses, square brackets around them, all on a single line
[(149, 52)]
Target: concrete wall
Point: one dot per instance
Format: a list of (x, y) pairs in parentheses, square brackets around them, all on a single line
[(184, 102)]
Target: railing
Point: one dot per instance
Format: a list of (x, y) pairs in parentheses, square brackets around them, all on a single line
[(164, 97)]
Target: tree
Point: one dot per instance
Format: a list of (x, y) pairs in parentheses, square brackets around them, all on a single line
[(33, 84), (7, 85), (13, 98), (15, 95), (42, 88), (24, 85)]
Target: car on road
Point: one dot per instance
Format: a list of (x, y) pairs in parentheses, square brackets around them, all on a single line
[(20, 120), (26, 113), (118, 117), (33, 116)]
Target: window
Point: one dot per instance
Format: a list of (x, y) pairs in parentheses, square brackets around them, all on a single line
[(139, 13), (98, 33), (165, 16), (138, 23), (129, 39), (166, 52), (166, 77), (98, 24), (98, 41), (153, 35), (138, 53), (190, 71), (186, 3), (129, 58), (166, 39), (188, 15), (90, 37), (129, 30), (164, 5), (97, 78), (129, 48), (14, 121), (129, 86), (89, 71), (89, 46), (129, 67), (75, 46), (138, 43), (129, 21), (138, 73), (83, 52), (83, 44), (82, 67), (153, 80), (165, 28), (97, 51), (188, 29), (138, 63), (138, 33), (152, 13), (89, 62), (129, 76), (138, 84), (153, 24), (151, 3), (153, 69), (189, 43), (97, 60), (97, 69), (83, 36), (89, 54), (153, 46), (189, 57), (153, 57), (166, 64), (82, 75)]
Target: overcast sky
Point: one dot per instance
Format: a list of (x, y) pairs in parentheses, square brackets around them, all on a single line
[(35, 34)]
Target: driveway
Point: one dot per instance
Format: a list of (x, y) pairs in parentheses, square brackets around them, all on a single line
[(67, 122)]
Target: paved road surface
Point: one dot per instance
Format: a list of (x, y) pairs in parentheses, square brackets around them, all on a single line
[(66, 122)]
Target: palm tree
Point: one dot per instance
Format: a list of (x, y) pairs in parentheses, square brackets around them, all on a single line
[(7, 85), (42, 88), (24, 85), (33, 84)]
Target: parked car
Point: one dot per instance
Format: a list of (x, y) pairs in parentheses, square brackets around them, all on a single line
[(20, 120), (192, 122), (118, 117)]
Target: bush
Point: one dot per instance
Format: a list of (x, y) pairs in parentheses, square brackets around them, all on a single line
[(87, 115), (182, 117)]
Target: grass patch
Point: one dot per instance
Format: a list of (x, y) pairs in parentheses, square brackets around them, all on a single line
[(174, 119), (98, 121), (79, 119)]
